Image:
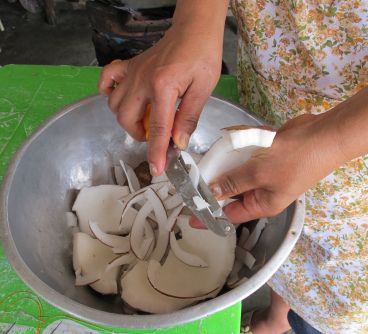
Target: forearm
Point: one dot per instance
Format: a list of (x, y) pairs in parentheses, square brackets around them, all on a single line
[(201, 18), (345, 129), (352, 125)]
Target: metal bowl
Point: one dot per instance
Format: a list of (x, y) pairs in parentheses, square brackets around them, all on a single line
[(77, 148)]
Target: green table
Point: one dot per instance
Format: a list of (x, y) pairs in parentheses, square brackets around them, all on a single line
[(28, 96)]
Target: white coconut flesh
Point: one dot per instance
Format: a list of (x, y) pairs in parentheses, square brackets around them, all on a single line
[(100, 204), (163, 264), (90, 259), (216, 251), (114, 241)]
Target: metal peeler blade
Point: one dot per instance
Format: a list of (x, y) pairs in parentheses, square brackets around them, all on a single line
[(178, 175)]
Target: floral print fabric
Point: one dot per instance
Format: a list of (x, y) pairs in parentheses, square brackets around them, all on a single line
[(299, 57)]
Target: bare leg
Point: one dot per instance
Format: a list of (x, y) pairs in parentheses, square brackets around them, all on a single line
[(272, 320)]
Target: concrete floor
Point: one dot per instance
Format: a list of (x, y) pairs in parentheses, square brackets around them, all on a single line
[(28, 39)]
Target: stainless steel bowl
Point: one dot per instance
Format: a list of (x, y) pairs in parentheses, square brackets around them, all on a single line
[(77, 148)]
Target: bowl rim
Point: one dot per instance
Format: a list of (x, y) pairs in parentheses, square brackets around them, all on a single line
[(152, 321)]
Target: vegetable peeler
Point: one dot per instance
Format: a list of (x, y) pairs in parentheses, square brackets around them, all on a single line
[(178, 175)]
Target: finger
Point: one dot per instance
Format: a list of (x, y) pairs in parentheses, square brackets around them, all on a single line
[(235, 182), (117, 97), (161, 121), (196, 223), (130, 115), (249, 208), (111, 74), (187, 116)]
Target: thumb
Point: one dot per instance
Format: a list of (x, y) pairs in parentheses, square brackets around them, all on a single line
[(188, 113), (236, 181)]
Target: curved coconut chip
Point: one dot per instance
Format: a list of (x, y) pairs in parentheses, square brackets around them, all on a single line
[(120, 261), (127, 219), (71, 219), (244, 235), (137, 244), (237, 282), (119, 175), (173, 201), (131, 177), (164, 236), (245, 256), (187, 258), (111, 240), (256, 233), (83, 280)]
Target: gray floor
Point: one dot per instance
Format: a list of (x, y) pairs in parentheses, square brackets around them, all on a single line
[(28, 39)]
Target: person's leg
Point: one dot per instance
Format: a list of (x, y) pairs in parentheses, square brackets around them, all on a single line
[(299, 325), (273, 320)]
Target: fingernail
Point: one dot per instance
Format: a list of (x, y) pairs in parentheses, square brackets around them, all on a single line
[(153, 169), (182, 141), (216, 190)]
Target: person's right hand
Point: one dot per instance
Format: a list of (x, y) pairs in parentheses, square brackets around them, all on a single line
[(182, 64)]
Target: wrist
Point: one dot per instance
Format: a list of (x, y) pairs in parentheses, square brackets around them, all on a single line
[(204, 18)]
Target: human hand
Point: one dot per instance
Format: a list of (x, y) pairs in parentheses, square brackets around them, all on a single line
[(181, 64), (274, 177)]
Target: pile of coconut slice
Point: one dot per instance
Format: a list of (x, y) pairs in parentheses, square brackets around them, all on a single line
[(135, 239)]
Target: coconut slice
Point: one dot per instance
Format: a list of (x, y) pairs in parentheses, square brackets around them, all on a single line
[(244, 235), (246, 257), (237, 282), (71, 219), (132, 179), (100, 203), (256, 233), (161, 178), (90, 259), (111, 240), (121, 261), (173, 201), (137, 242), (86, 279), (119, 174), (174, 278), (164, 234), (234, 274), (127, 220), (139, 294), (187, 258)]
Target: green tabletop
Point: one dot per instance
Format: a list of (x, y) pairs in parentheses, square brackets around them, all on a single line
[(29, 94)]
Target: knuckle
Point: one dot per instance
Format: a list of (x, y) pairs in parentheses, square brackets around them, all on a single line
[(121, 119), (229, 185), (158, 129), (190, 122), (159, 81), (112, 105)]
